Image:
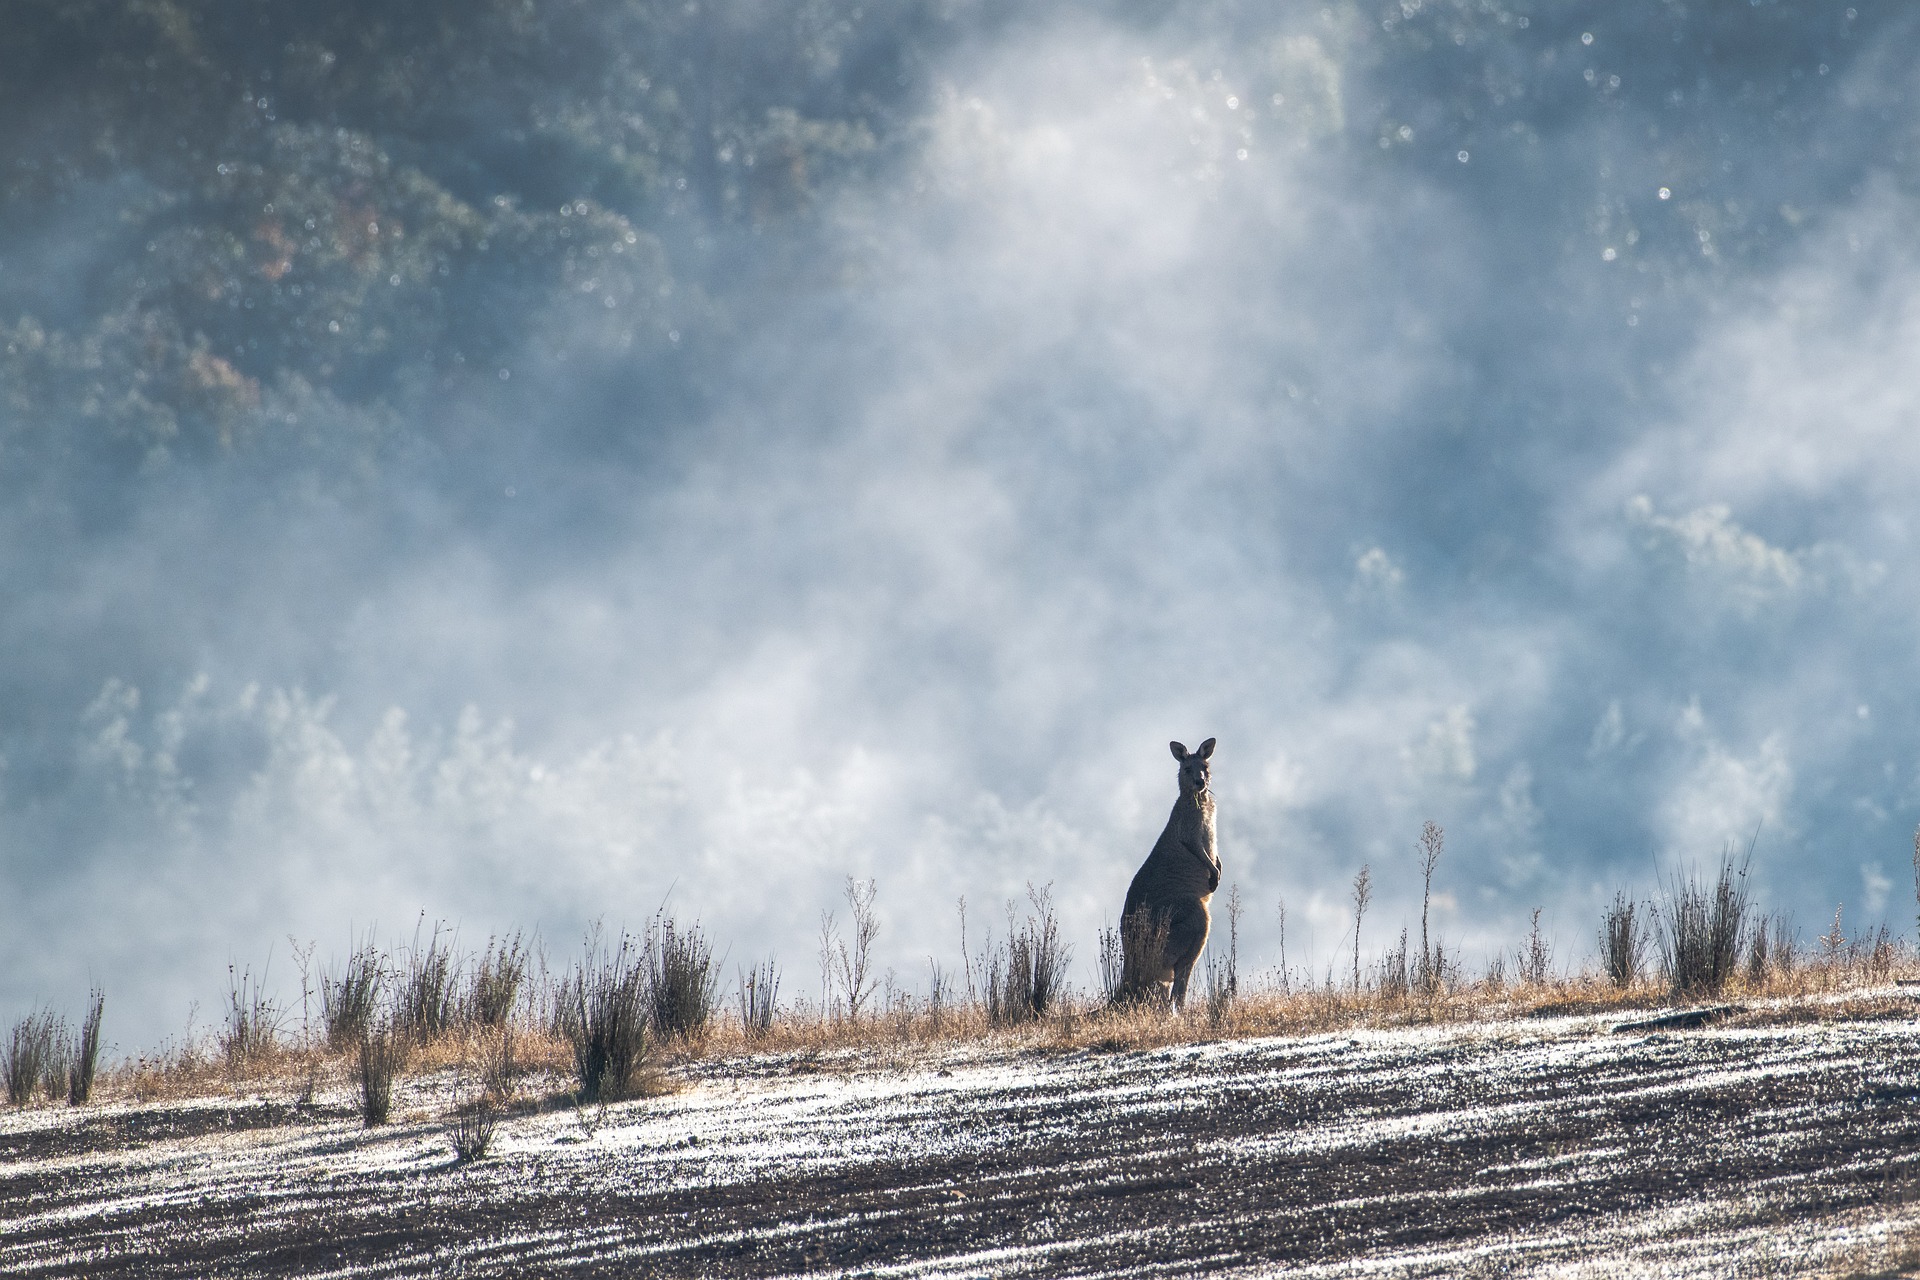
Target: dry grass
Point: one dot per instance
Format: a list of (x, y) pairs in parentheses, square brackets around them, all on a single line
[(802, 1040), (528, 1057)]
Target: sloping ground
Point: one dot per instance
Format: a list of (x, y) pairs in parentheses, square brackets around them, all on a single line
[(1552, 1146)]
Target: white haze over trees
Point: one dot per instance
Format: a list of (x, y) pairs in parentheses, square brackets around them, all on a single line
[(529, 461)]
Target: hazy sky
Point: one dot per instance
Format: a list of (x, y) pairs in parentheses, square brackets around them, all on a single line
[(1492, 414)]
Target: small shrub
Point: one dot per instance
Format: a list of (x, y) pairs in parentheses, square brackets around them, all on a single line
[(427, 1003), (759, 992), (1533, 963), (854, 965), (348, 1001), (1702, 929), (1623, 941), (383, 1055), (603, 1016), (1223, 967), (681, 982), (473, 1130), (85, 1057), (29, 1056), (252, 1029), (1027, 977), (496, 981)]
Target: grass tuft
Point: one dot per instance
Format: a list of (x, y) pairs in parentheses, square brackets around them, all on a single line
[(383, 1056), (1701, 930), (349, 1000), (1623, 942), (496, 981), (473, 1130), (759, 995), (681, 980), (427, 1004), (84, 1060), (251, 1033), (603, 1016)]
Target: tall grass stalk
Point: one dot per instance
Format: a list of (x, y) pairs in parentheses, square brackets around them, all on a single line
[(1433, 842), (1223, 966)]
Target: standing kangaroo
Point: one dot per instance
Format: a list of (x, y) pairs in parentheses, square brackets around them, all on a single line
[(1164, 925)]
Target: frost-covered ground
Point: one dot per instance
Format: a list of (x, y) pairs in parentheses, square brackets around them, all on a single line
[(1550, 1146)]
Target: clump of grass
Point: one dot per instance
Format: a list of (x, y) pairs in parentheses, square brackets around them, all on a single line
[(759, 994), (1396, 973), (251, 1032), (427, 1004), (496, 981), (473, 1130), (1702, 929), (681, 980), (349, 999), (499, 1071), (1623, 942), (84, 1060), (383, 1055), (1027, 978), (1143, 952), (30, 1056), (603, 1016)]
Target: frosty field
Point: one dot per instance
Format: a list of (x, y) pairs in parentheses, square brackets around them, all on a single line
[(1781, 1141)]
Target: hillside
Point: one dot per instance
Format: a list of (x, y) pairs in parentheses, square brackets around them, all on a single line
[(1780, 1141)]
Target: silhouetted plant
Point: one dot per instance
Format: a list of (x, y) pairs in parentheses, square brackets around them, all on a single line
[(428, 1003), (1143, 935), (496, 981), (85, 1057), (1702, 929), (349, 999), (29, 1055), (1027, 977), (252, 1028), (1223, 965), (759, 993), (383, 1056), (681, 981), (473, 1130), (603, 1015), (1623, 941)]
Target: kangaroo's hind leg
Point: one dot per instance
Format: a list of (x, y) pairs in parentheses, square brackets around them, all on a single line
[(1187, 927)]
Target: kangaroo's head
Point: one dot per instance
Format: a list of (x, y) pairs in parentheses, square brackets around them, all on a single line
[(1194, 770)]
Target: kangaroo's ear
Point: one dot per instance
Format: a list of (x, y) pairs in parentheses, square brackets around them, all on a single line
[(1206, 749), (1179, 751)]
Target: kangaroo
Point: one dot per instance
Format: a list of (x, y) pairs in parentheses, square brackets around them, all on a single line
[(1164, 925)]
